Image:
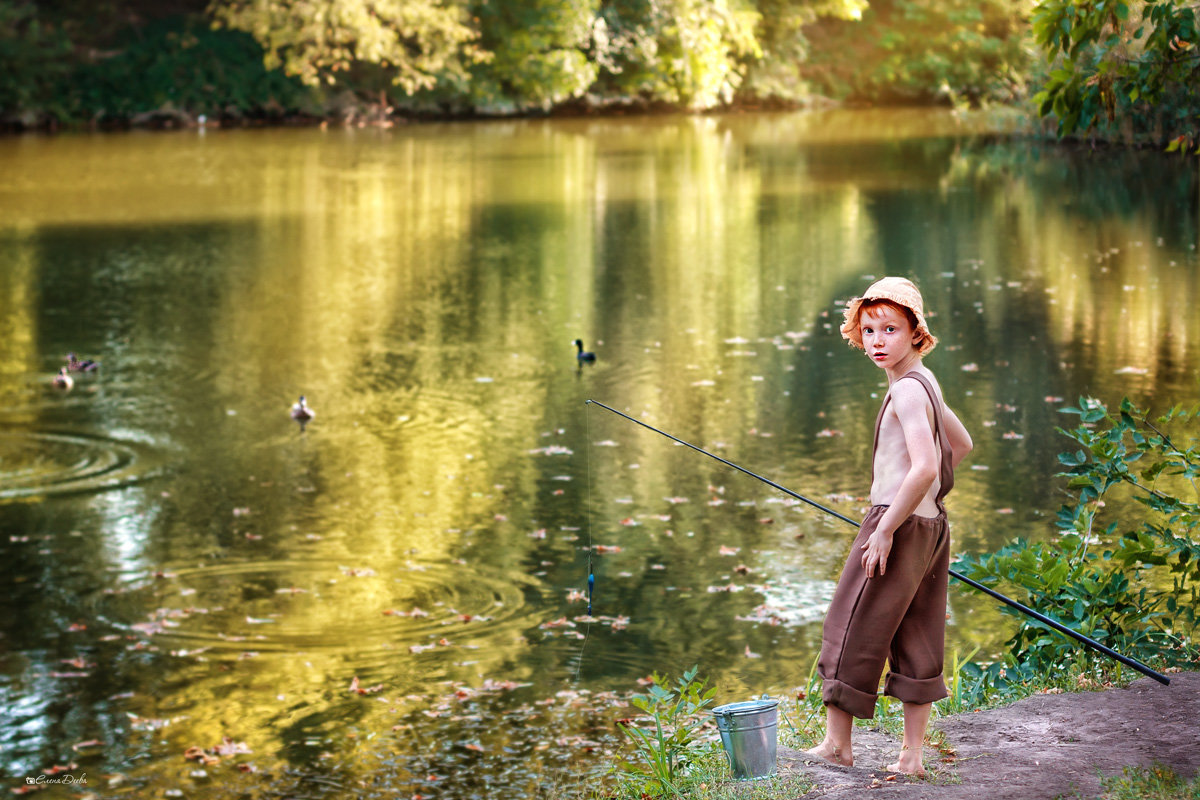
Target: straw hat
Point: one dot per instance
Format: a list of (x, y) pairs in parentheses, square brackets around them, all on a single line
[(900, 291)]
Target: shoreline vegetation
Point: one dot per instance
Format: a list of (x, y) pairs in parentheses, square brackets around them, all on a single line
[(1124, 74)]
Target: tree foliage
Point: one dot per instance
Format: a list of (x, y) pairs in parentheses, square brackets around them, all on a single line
[(181, 65), (949, 51), (483, 56), (165, 69), (33, 61), (691, 53), (419, 41), (1121, 66), (785, 44), (539, 52)]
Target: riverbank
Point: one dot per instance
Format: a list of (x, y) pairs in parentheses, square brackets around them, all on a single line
[(348, 109), (1040, 748)]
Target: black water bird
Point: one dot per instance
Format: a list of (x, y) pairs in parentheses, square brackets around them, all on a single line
[(583, 355), (75, 365)]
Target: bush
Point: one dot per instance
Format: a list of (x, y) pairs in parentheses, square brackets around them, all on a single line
[(34, 62), (1138, 594), (176, 67), (921, 51), (181, 64)]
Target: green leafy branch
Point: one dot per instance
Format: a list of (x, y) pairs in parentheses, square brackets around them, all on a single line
[(1109, 62), (1140, 594)]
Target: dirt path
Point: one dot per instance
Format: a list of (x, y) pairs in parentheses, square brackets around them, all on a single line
[(1041, 748)]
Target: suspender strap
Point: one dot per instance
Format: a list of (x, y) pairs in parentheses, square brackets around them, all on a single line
[(946, 471)]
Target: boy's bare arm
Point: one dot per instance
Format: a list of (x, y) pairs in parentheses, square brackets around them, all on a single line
[(911, 405), (956, 432)]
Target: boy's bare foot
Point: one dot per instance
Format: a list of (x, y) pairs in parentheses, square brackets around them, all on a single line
[(831, 754), (909, 763)]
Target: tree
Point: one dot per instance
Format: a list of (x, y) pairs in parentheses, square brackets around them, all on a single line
[(1125, 66), (418, 42), (692, 53), (965, 52), (785, 47), (34, 60), (539, 51)]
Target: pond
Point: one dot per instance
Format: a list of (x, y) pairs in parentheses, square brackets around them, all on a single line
[(392, 599)]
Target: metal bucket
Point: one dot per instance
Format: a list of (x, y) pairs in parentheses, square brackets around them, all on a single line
[(750, 733)]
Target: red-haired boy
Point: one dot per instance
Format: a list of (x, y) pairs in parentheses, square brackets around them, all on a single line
[(890, 602)]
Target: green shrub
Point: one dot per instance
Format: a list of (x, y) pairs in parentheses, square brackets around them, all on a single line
[(183, 64), (1137, 594), (34, 62), (921, 51), (665, 738)]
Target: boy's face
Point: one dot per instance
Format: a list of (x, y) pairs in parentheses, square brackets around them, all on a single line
[(887, 334)]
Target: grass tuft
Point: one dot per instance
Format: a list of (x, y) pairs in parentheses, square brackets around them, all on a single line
[(1154, 783)]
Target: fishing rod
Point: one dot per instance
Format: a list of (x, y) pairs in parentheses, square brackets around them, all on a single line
[(1024, 609)]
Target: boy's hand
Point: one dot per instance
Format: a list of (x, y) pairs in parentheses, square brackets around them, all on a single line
[(875, 553)]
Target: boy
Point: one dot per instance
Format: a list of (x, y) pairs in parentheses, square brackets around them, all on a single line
[(890, 603)]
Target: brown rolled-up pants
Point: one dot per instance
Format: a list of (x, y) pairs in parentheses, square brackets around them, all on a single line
[(899, 617)]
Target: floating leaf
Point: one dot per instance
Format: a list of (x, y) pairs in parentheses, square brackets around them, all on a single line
[(356, 689), (561, 622), (199, 754), (552, 450), (228, 747)]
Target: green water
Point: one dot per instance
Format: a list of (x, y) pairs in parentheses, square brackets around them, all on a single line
[(184, 564)]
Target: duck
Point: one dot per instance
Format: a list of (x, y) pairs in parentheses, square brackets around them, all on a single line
[(583, 355), (301, 412), (75, 365), (62, 380)]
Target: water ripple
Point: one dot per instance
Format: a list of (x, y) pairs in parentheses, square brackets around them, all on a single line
[(288, 606), (34, 463)]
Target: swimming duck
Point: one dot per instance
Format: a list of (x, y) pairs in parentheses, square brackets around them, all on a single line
[(301, 412), (62, 380), (75, 365), (583, 355)]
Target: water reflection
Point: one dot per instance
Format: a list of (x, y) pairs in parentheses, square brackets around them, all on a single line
[(399, 590)]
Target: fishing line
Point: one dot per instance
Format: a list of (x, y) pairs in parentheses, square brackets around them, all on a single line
[(591, 575), (591, 578), (1042, 618)]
